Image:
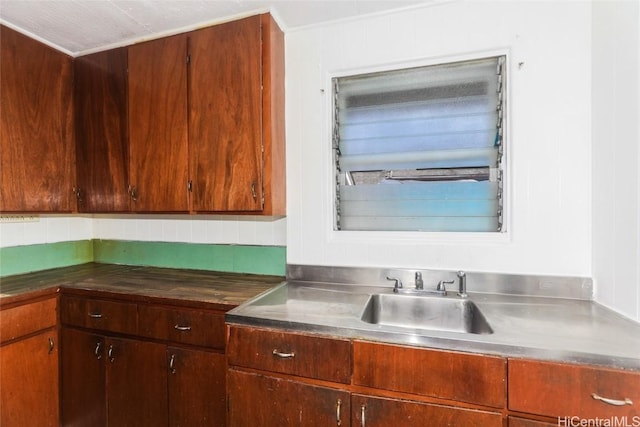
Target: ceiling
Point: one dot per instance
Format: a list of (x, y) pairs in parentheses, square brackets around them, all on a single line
[(77, 27)]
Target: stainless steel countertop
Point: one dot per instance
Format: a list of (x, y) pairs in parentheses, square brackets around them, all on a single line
[(546, 328)]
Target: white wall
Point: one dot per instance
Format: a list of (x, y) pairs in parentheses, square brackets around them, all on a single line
[(549, 141), (616, 155), (159, 228), (48, 229)]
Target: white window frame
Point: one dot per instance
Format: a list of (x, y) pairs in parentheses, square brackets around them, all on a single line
[(342, 237)]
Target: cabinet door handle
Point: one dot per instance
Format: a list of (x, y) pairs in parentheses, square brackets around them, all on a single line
[(338, 405), (133, 192), (78, 193), (95, 315), (253, 191), (283, 355), (363, 422), (51, 345), (172, 364), (182, 328), (98, 350), (110, 354), (614, 402)]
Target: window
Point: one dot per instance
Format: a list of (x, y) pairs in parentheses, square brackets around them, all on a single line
[(421, 149)]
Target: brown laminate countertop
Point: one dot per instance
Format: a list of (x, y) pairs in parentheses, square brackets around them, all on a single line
[(197, 288)]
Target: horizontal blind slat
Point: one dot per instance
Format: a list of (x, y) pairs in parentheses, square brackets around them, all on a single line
[(421, 191), (445, 224), (420, 159)]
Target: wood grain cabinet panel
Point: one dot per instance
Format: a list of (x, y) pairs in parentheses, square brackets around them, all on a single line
[(226, 119), (28, 318), (84, 401), (463, 377), (197, 388), (372, 411), (37, 146), (105, 315), (158, 151), (136, 379), (290, 353), (523, 422), (566, 390), (258, 400), (101, 131), (236, 117), (29, 381), (196, 327)]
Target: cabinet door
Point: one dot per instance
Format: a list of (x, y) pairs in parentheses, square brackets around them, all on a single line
[(257, 400), (225, 116), (373, 411), (37, 147), (197, 393), (83, 379), (29, 381), (158, 125), (136, 376), (523, 422), (101, 131)]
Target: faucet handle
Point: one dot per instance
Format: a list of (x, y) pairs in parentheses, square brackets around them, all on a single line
[(442, 285), (397, 285)]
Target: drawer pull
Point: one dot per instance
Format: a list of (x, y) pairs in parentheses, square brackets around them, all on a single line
[(338, 405), (95, 315), (613, 402), (283, 355), (182, 328)]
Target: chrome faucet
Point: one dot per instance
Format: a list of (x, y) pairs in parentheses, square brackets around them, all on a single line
[(419, 282), (462, 284), (397, 285)]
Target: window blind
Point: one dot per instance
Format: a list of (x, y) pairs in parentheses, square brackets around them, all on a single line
[(420, 149)]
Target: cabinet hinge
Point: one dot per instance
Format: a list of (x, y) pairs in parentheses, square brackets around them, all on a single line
[(188, 59), (190, 186)]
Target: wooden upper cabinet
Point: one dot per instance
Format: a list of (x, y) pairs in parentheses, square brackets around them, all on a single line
[(158, 125), (101, 131), (37, 153), (236, 117)]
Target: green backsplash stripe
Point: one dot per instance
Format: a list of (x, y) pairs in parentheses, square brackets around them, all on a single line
[(231, 258), (26, 259)]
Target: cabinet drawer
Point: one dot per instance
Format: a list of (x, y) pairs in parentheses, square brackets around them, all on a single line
[(197, 327), (290, 353), (112, 316), (375, 411), (26, 319), (568, 390), (443, 374)]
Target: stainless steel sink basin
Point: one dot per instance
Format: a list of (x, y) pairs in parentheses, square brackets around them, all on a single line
[(426, 312)]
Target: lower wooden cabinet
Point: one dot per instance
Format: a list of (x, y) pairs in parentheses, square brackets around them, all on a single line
[(115, 382), (257, 400), (141, 376), (29, 381), (29, 376), (277, 379), (373, 411)]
